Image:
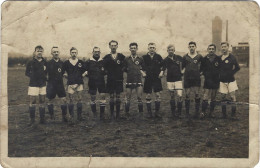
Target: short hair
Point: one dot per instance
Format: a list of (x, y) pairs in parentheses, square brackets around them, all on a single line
[(133, 44), (39, 47), (73, 48), (96, 48), (225, 42), (113, 41), (151, 43), (54, 47), (213, 46), (170, 46), (192, 42)]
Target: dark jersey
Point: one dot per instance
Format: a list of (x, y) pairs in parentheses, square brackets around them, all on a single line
[(210, 69), (192, 66), (74, 72), (36, 71), (133, 68), (55, 71), (228, 68), (174, 67), (96, 70), (114, 67), (152, 66)]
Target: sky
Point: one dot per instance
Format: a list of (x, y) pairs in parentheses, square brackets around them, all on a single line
[(84, 25)]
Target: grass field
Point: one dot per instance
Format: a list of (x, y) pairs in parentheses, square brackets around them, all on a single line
[(128, 138)]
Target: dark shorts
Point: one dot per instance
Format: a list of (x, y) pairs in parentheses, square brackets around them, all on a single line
[(188, 83), (152, 85), (210, 83), (114, 86), (95, 86), (133, 85), (54, 89)]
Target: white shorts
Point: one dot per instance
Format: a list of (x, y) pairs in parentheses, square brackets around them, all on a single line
[(175, 86), (73, 88), (226, 88), (36, 91)]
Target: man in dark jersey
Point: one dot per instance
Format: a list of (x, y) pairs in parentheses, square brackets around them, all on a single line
[(96, 71), (228, 84), (36, 71), (192, 81), (55, 84), (113, 64), (153, 69), (74, 72), (210, 69), (173, 65), (133, 66)]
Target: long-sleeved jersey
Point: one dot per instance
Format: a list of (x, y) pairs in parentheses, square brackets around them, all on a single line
[(133, 68), (228, 68), (74, 72), (152, 66), (114, 67), (36, 71), (55, 71), (174, 67), (192, 66), (96, 70)]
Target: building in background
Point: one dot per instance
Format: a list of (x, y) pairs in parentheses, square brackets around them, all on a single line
[(241, 51), (217, 33)]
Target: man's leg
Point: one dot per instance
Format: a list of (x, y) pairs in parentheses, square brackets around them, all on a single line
[(93, 104), (71, 106), (173, 104), (127, 100), (32, 109), (204, 105), (212, 102), (42, 108), (79, 105), (233, 106), (102, 105), (139, 92), (224, 105), (149, 105), (118, 104), (63, 107), (112, 105), (187, 101), (179, 104), (197, 101), (157, 103), (51, 108)]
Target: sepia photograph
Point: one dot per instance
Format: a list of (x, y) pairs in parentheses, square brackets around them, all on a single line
[(129, 83)]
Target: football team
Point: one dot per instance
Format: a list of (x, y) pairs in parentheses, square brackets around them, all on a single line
[(106, 75)]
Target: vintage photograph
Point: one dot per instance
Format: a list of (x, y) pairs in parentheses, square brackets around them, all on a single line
[(128, 79)]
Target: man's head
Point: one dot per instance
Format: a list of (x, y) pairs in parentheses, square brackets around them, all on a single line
[(152, 48), (73, 52), (171, 49), (224, 47), (192, 47), (212, 49), (133, 47), (55, 52), (113, 46), (96, 53), (38, 51)]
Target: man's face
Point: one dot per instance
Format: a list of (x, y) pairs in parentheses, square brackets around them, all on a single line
[(55, 53), (192, 48), (96, 53), (38, 53), (211, 50), (74, 54), (171, 51), (152, 49), (133, 49), (113, 46), (224, 48)]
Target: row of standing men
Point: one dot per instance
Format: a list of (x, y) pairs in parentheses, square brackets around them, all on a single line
[(181, 73)]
